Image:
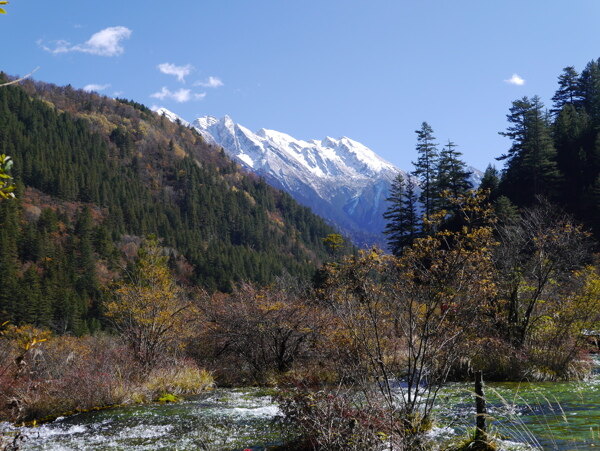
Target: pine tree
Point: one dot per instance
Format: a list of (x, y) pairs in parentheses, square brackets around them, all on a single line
[(490, 182), (568, 92), (452, 177), (589, 90), (531, 169), (425, 167), (403, 222)]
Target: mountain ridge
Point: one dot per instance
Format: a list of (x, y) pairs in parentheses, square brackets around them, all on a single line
[(341, 179)]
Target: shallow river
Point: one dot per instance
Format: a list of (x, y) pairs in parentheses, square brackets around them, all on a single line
[(563, 416)]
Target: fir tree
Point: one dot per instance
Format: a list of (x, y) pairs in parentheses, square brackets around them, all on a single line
[(568, 92), (403, 222), (531, 169), (452, 176), (589, 90), (425, 167), (570, 130), (490, 182)]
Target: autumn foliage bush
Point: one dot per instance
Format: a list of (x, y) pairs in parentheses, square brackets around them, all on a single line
[(512, 300), (44, 376), (547, 295), (254, 335)]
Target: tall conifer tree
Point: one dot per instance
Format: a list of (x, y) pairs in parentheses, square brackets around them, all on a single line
[(589, 90), (568, 92), (452, 176), (403, 221), (425, 167), (531, 167), (490, 182)]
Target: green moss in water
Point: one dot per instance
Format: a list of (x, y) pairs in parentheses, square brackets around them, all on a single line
[(168, 397)]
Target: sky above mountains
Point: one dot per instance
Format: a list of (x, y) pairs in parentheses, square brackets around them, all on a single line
[(372, 71)]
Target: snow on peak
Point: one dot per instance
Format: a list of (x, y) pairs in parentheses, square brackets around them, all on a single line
[(358, 154), (206, 121), (227, 120), (281, 155), (341, 179), (161, 111)]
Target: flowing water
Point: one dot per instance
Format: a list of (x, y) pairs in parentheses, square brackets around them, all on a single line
[(217, 420), (564, 416), (546, 415)]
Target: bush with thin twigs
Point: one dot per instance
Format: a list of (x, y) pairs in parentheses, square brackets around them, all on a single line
[(64, 374)]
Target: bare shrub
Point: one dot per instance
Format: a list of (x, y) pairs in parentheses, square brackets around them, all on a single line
[(67, 374), (548, 292), (256, 333)]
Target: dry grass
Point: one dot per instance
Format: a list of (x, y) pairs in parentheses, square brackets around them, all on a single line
[(64, 375), (183, 379)]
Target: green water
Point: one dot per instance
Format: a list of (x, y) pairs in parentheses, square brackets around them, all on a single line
[(548, 415), (563, 416)]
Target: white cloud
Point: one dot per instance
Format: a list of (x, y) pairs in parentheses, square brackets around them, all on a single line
[(515, 80), (94, 87), (211, 82), (181, 95), (105, 42), (179, 71)]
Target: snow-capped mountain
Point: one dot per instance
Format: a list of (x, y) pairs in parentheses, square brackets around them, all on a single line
[(340, 179), (171, 116)]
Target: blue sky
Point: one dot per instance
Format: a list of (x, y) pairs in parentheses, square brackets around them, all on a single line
[(369, 70)]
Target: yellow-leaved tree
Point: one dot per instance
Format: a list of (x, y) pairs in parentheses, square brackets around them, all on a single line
[(6, 181), (150, 310)]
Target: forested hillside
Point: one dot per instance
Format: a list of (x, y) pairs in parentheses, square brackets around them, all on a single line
[(95, 174)]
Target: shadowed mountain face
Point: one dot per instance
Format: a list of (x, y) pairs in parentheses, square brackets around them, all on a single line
[(340, 179)]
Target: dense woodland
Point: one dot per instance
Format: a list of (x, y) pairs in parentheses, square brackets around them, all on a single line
[(554, 157), (94, 175), (555, 152)]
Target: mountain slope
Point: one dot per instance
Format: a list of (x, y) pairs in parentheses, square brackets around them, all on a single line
[(95, 174)]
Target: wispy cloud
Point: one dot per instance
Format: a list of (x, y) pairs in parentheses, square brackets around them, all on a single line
[(515, 80), (107, 42), (179, 71), (94, 87), (211, 82), (181, 95)]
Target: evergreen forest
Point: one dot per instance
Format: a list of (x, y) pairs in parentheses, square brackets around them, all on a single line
[(554, 157), (95, 175)]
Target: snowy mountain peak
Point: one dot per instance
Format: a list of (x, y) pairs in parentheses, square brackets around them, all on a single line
[(206, 121), (169, 115), (340, 179), (227, 120), (359, 154)]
